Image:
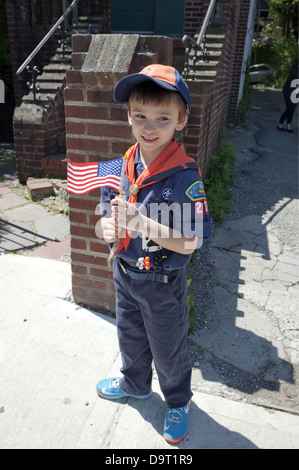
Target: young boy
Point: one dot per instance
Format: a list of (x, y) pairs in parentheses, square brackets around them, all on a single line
[(149, 267)]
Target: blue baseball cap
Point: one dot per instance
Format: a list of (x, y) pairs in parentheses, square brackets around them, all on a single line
[(163, 75)]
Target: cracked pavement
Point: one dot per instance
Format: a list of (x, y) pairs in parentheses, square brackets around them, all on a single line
[(246, 343)]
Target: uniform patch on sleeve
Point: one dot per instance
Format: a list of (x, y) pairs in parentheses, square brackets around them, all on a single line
[(201, 207), (196, 191), (198, 208)]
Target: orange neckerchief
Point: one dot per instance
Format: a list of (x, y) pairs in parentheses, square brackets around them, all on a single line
[(170, 161)]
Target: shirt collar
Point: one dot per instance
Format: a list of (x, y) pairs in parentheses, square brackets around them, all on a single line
[(139, 167)]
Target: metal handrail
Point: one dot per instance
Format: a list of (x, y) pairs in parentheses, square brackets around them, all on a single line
[(188, 40), (48, 35)]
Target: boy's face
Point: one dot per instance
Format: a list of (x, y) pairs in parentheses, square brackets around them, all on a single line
[(154, 125)]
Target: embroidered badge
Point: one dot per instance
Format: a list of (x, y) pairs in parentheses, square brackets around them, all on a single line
[(198, 208), (205, 204), (166, 193), (201, 207), (196, 191)]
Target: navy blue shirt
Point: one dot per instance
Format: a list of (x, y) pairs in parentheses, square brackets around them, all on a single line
[(177, 201)]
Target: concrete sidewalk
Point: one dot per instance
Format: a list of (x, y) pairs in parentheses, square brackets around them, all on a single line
[(52, 353), (36, 229)]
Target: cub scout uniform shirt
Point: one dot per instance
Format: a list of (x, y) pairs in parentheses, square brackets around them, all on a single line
[(177, 201)]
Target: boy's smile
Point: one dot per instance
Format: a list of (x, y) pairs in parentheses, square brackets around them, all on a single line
[(154, 126)]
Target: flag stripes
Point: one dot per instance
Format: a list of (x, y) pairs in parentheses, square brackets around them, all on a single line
[(84, 177)]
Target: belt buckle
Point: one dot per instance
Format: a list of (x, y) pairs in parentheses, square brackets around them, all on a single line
[(161, 278)]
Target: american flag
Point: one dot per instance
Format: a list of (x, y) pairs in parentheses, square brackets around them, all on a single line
[(84, 177)]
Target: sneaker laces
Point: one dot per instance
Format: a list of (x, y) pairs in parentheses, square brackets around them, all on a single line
[(175, 415)]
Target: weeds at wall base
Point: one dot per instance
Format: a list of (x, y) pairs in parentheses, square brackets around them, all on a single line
[(220, 174)]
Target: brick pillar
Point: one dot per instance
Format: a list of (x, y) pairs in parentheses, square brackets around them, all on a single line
[(97, 130), (36, 129), (197, 133)]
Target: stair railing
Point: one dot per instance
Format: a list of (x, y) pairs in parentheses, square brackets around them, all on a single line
[(200, 43), (33, 69)]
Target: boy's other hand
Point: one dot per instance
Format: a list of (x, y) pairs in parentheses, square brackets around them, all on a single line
[(124, 213), (111, 231)]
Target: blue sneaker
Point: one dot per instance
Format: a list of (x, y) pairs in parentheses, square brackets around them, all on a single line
[(176, 423), (109, 388)]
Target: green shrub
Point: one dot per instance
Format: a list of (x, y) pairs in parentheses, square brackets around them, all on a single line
[(220, 173), (281, 55)]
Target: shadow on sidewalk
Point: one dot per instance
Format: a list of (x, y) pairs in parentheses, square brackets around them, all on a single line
[(203, 433), (18, 237)]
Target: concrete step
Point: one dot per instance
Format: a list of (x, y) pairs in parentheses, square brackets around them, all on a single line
[(214, 46), (67, 51), (200, 75), (215, 38), (43, 97), (48, 87), (82, 26), (60, 59), (95, 20), (205, 74), (54, 67), (39, 188), (203, 64), (51, 77), (51, 80), (207, 62), (210, 55), (210, 63)]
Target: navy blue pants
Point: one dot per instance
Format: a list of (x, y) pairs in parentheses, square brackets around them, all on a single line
[(152, 324)]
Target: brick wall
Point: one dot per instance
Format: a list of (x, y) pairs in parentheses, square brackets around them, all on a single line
[(194, 14), (21, 38)]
